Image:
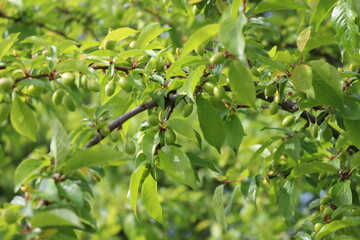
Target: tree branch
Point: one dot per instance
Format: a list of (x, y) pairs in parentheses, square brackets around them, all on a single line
[(126, 116)]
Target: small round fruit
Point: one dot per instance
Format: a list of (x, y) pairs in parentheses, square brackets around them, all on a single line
[(105, 131), (9, 216), (69, 103), (115, 135), (314, 130), (5, 84), (110, 88), (270, 90), (188, 108), (274, 108), (317, 227), (219, 92), (325, 200), (84, 82), (33, 90), (109, 44), (217, 59), (129, 147), (4, 111), (93, 85), (125, 85), (288, 121), (68, 78), (327, 134), (170, 136), (209, 87), (328, 211), (57, 96), (153, 120)]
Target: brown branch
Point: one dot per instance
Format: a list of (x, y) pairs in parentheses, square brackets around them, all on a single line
[(126, 116)]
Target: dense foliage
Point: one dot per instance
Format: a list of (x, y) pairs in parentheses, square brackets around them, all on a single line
[(199, 119)]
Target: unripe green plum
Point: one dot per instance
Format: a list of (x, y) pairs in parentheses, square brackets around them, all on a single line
[(325, 200), (217, 59), (9, 216), (327, 134), (314, 130), (209, 87), (328, 211), (93, 85), (153, 120), (4, 111), (270, 90), (129, 147), (105, 131), (109, 44), (188, 108), (125, 85), (69, 103), (110, 88), (322, 208), (57, 96), (68, 78), (219, 92), (5, 84), (34, 91), (274, 108), (318, 226), (288, 121), (254, 71), (170, 136), (115, 135)]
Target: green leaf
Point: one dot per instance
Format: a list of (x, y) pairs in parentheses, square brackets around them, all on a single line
[(72, 191), (234, 132), (182, 127), (149, 33), (7, 43), (303, 38), (211, 124), (200, 36), (120, 34), (351, 109), (344, 17), (175, 68), (48, 190), (197, 161), (242, 83), (60, 144), (72, 65), (293, 147), (263, 147), (232, 36), (274, 5), (23, 119), (26, 170), (134, 186), (341, 193), (149, 197), (327, 84), (302, 236), (313, 167), (322, 9), (149, 144), (97, 155), (286, 201), (353, 131), (218, 205), (177, 165), (334, 226), (192, 80), (56, 218), (355, 160), (302, 78)]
